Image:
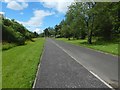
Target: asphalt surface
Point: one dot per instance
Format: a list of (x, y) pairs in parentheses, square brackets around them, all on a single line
[(59, 68), (104, 65)]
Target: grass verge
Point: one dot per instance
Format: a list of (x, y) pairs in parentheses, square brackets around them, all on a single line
[(109, 47), (19, 64), (6, 46), (0, 66)]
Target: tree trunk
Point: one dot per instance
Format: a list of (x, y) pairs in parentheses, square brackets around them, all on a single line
[(90, 31), (90, 37), (68, 38)]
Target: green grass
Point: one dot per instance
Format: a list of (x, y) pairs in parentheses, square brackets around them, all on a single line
[(109, 47), (19, 64), (6, 46), (0, 65)]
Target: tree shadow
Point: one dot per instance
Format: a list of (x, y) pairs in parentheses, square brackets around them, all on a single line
[(32, 40), (100, 42)]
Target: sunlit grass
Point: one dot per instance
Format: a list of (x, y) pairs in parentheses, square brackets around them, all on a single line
[(109, 47), (6, 46), (20, 63), (0, 65)]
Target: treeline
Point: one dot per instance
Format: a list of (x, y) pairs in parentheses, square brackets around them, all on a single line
[(88, 20), (14, 32)]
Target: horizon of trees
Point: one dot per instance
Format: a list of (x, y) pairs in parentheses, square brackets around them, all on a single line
[(88, 20)]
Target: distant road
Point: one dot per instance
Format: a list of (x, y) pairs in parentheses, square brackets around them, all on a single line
[(65, 65)]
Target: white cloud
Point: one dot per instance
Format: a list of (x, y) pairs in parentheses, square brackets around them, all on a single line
[(35, 22), (38, 30), (17, 6), (2, 13), (38, 17), (60, 5)]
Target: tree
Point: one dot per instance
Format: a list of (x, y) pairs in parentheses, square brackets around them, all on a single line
[(57, 30), (46, 32), (104, 25), (98, 19), (36, 34), (51, 31), (76, 20)]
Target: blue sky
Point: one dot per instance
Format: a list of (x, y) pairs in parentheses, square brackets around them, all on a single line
[(35, 16)]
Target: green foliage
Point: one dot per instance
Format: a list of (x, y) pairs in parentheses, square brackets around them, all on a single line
[(14, 32), (88, 19), (108, 47), (41, 35), (46, 32), (7, 22), (49, 32), (6, 46), (8, 34)]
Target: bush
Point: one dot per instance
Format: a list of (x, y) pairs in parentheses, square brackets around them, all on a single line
[(20, 40), (13, 32), (7, 46), (10, 35)]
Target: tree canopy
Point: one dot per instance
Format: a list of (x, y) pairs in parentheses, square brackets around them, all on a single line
[(90, 19)]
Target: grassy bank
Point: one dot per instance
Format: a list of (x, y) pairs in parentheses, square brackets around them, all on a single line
[(0, 65), (6, 46), (19, 64), (109, 47)]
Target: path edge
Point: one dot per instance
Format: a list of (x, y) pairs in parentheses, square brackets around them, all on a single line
[(38, 68)]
